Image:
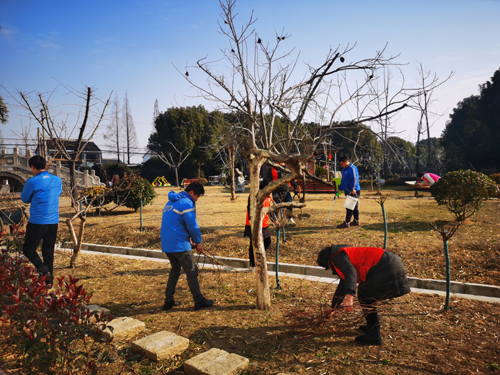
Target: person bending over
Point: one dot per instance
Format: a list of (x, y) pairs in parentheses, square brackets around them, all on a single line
[(380, 275)]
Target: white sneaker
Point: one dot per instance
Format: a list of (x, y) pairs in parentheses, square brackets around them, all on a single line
[(291, 221)]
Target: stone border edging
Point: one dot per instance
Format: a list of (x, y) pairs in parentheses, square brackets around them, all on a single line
[(430, 284)]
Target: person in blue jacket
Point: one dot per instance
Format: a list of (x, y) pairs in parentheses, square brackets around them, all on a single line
[(179, 232), (350, 186), (42, 191)]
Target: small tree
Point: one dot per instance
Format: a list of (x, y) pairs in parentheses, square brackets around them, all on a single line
[(140, 189), (463, 193)]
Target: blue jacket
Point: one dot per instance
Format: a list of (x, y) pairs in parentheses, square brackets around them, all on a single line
[(179, 223), (350, 179), (43, 191)]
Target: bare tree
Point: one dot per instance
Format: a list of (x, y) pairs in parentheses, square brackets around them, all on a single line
[(114, 132), (428, 82), (131, 142), (174, 159), (259, 88), (226, 143), (58, 131)]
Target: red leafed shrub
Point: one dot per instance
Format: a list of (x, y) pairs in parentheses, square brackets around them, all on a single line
[(51, 332)]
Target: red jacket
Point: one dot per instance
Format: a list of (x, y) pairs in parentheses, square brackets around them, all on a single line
[(362, 259)]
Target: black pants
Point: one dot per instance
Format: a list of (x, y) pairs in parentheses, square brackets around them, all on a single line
[(47, 233), (355, 212), (267, 243), (186, 261)]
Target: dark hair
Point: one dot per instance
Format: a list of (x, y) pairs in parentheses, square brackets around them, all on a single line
[(263, 184), (37, 162), (324, 257), (326, 254), (196, 188), (343, 159)]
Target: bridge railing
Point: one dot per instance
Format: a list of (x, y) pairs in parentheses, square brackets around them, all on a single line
[(20, 162)]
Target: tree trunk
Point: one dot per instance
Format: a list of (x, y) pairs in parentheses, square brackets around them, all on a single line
[(72, 182), (262, 288), (231, 172), (77, 242), (176, 176), (418, 150), (379, 188)]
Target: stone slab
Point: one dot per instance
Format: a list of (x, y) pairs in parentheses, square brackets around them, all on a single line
[(161, 345), (123, 328), (96, 309), (215, 362)]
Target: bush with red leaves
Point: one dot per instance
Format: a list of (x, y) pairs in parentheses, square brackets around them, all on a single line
[(52, 332)]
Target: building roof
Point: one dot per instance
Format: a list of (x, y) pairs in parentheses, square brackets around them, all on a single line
[(70, 144)]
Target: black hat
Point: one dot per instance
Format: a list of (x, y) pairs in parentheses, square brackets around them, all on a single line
[(326, 254)]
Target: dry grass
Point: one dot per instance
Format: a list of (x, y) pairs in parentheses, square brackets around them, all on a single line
[(474, 250), (299, 334)]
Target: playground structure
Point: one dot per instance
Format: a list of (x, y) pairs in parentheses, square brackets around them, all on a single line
[(160, 182)]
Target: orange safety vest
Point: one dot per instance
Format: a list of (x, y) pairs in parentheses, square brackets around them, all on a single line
[(362, 259), (267, 203)]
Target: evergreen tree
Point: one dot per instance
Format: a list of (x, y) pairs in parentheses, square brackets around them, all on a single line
[(471, 137), (131, 142)]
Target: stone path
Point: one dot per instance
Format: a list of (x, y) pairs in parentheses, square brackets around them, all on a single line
[(163, 345)]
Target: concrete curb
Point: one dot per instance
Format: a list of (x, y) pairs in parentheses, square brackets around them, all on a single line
[(429, 284)]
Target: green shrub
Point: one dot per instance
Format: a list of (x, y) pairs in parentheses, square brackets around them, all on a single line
[(115, 168), (139, 189), (97, 195), (463, 192), (320, 171)]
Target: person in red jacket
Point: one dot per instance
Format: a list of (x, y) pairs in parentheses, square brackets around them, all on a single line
[(380, 275), (266, 232)]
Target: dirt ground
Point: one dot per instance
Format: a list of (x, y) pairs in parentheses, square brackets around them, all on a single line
[(300, 334)]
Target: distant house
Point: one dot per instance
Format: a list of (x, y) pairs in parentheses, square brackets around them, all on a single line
[(90, 155), (148, 155)]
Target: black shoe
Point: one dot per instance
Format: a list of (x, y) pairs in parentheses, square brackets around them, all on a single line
[(371, 337), (364, 328), (168, 305), (203, 304), (45, 274)]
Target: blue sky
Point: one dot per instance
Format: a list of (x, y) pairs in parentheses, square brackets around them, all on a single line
[(131, 46)]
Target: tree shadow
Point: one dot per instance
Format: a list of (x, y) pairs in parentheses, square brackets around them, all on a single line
[(414, 226)]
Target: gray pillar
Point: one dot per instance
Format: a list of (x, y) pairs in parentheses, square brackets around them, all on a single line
[(58, 168), (16, 156), (28, 157), (86, 178)]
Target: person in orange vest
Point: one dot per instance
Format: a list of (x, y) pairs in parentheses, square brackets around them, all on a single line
[(380, 275), (266, 232)]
